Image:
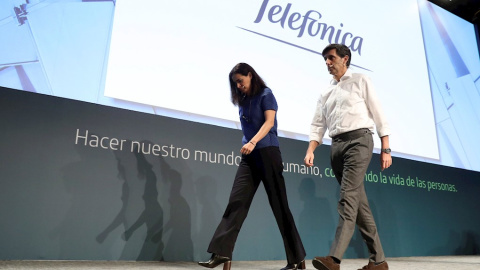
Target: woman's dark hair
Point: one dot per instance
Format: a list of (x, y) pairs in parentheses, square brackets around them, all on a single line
[(341, 50), (256, 84)]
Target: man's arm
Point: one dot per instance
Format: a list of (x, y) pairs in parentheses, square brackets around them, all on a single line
[(385, 158), (310, 156), (317, 130)]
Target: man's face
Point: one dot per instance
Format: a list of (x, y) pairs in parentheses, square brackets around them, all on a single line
[(337, 66)]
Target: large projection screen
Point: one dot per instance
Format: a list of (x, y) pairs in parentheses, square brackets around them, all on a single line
[(172, 58), (178, 54)]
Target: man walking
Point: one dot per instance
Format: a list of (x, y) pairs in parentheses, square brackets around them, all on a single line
[(350, 110)]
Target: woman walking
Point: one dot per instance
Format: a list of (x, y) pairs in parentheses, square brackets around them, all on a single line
[(261, 162)]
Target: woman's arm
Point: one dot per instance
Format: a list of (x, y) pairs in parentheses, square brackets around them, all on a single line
[(264, 129)]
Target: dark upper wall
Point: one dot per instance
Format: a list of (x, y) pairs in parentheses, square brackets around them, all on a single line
[(469, 10)]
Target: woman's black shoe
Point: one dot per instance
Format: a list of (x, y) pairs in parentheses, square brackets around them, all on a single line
[(295, 266), (215, 260)]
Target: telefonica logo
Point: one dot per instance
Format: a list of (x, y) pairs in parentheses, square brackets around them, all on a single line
[(307, 24)]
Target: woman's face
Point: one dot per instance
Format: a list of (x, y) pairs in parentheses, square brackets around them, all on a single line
[(243, 82)]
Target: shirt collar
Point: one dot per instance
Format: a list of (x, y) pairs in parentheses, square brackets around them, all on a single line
[(345, 76)]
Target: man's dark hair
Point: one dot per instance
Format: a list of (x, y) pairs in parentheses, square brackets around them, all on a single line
[(341, 51)]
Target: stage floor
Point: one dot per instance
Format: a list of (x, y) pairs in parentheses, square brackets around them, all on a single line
[(403, 263)]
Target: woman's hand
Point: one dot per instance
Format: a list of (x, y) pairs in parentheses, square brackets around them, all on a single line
[(247, 148)]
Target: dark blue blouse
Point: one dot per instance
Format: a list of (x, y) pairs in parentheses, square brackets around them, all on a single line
[(251, 111)]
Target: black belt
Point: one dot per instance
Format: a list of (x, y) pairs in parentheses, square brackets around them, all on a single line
[(351, 135)]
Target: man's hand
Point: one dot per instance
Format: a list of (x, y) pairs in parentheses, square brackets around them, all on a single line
[(310, 156), (385, 160), (309, 159)]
